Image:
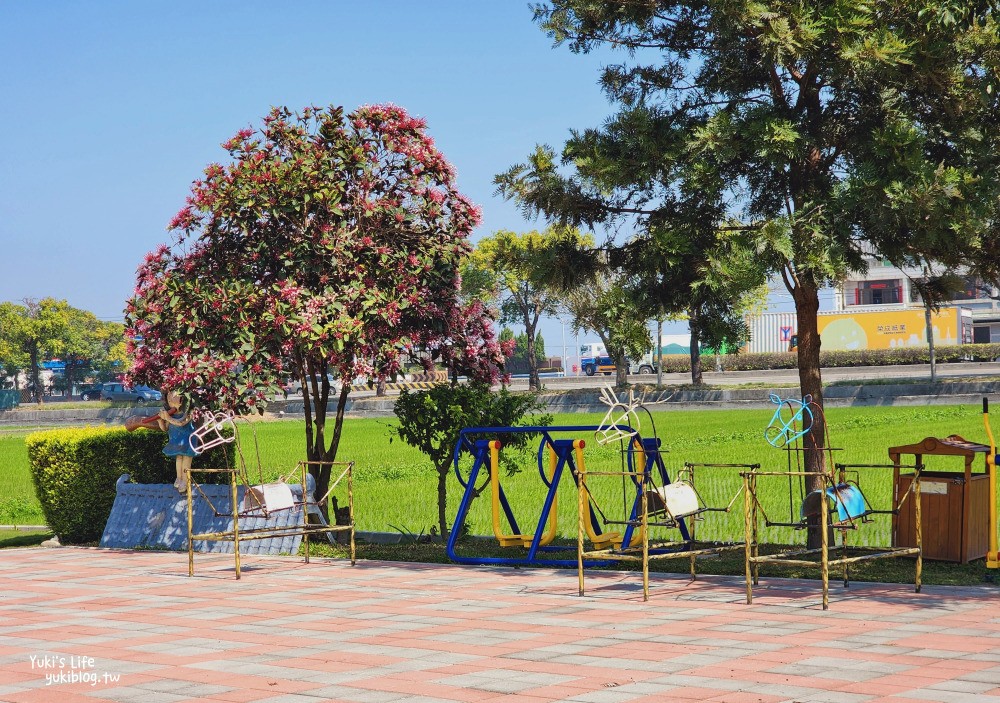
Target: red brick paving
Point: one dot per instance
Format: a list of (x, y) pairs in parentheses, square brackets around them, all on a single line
[(288, 632)]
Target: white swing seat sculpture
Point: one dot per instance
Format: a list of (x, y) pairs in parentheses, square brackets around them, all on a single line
[(669, 505), (263, 499)]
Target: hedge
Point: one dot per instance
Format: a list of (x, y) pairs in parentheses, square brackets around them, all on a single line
[(75, 471), (862, 357)]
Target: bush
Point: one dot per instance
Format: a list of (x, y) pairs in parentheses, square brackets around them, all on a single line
[(75, 470), (839, 359), (432, 420)]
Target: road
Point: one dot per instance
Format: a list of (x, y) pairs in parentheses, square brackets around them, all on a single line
[(915, 372)]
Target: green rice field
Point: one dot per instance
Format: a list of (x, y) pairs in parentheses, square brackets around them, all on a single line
[(395, 485)]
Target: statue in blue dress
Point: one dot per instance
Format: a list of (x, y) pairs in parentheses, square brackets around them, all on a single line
[(176, 421)]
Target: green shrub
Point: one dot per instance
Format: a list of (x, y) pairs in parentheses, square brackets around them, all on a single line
[(839, 359), (75, 470), (432, 420)]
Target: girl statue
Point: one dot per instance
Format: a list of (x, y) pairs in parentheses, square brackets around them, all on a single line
[(176, 421)]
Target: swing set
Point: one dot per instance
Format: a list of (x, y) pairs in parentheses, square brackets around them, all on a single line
[(838, 505), (263, 510), (649, 499)]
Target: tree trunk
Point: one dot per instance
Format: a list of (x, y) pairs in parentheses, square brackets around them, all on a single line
[(68, 373), (695, 356), (929, 326), (695, 353), (380, 388), (443, 500), (806, 296), (315, 395), (659, 352), (36, 381), (621, 371), (534, 381)]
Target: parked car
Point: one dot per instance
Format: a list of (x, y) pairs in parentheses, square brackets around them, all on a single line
[(119, 391), (91, 391), (293, 386), (147, 393)]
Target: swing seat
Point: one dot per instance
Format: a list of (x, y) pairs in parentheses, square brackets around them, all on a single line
[(269, 497), (679, 499), (846, 497)]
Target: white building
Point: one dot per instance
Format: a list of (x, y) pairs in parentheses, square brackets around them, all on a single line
[(886, 286)]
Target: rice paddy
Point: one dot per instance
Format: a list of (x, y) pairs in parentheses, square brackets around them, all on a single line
[(395, 485)]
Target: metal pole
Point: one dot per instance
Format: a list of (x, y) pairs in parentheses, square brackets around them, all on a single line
[(919, 530), (236, 521), (747, 504), (190, 512), (350, 505), (562, 325), (577, 354), (645, 548), (581, 507), (305, 512), (754, 526), (824, 544)]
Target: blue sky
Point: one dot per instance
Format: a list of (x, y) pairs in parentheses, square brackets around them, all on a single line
[(111, 109)]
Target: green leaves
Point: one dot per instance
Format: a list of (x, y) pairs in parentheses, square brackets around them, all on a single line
[(328, 244)]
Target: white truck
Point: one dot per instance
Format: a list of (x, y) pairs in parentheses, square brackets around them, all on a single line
[(594, 359)]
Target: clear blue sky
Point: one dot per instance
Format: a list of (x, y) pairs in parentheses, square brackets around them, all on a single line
[(111, 109)]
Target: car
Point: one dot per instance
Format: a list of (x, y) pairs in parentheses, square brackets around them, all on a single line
[(91, 391), (148, 394), (293, 386), (139, 394)]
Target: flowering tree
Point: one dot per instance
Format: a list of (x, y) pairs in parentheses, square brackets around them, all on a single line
[(329, 244)]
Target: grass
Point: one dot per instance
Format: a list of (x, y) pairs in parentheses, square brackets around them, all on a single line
[(22, 538), (18, 505), (903, 380), (395, 485)]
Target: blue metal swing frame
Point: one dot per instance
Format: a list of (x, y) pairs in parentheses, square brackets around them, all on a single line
[(480, 451)]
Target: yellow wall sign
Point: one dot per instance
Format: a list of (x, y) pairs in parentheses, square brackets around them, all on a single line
[(886, 330)]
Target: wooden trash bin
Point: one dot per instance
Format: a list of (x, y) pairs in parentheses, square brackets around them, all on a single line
[(954, 504)]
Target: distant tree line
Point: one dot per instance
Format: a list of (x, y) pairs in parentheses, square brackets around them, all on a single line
[(35, 331)]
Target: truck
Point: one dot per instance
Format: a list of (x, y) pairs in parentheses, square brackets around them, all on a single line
[(863, 328), (594, 358)]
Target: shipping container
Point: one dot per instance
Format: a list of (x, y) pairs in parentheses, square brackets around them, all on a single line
[(842, 330)]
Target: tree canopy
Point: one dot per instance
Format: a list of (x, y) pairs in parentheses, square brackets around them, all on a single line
[(329, 243), (519, 267), (787, 121), (608, 309), (36, 330)]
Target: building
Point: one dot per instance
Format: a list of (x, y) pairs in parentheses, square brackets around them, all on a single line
[(887, 287)]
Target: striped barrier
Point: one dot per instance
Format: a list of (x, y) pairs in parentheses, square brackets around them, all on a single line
[(407, 385), (417, 381)]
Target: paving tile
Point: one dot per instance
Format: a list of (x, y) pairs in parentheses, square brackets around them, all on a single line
[(947, 696), (838, 697), (291, 633), (613, 695), (962, 686), (990, 675)]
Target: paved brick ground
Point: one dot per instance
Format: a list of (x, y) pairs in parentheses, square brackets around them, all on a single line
[(134, 627)]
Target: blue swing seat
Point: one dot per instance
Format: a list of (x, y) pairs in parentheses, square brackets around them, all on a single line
[(847, 497)]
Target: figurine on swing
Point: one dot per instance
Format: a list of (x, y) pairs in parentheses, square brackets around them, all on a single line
[(176, 420)]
